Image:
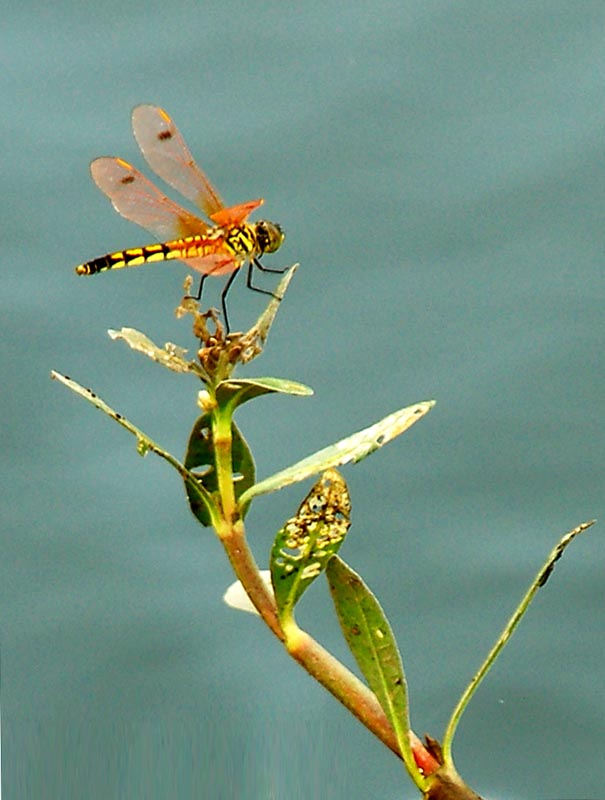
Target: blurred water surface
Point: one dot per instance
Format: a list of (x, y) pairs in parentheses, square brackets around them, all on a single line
[(440, 171)]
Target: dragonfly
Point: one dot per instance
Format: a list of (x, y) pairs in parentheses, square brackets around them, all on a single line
[(218, 247)]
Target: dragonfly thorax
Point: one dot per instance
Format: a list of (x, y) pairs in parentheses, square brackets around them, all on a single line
[(252, 239)]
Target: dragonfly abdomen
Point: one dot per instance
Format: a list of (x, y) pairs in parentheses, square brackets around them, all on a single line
[(238, 241), (132, 257)]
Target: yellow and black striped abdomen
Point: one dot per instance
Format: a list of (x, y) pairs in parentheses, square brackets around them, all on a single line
[(238, 241), (124, 258), (188, 247)]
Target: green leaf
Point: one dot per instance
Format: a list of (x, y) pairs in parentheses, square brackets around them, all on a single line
[(373, 644), (238, 391), (353, 448), (539, 581), (200, 460), (304, 545), (144, 443)]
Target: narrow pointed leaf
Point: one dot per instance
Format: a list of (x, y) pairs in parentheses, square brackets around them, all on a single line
[(371, 640), (200, 460), (539, 581), (264, 322), (353, 448), (254, 340), (144, 443), (304, 545)]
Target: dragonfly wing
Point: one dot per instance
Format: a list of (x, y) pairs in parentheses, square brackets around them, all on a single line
[(215, 264), (169, 157), (138, 200), (236, 214)]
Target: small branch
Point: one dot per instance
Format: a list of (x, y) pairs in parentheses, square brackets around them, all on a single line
[(539, 581)]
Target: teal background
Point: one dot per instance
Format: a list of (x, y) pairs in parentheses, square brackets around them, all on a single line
[(439, 169)]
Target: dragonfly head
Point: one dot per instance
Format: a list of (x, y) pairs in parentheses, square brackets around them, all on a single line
[(269, 236)]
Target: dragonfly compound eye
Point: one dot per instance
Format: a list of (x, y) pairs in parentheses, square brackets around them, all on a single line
[(269, 236)]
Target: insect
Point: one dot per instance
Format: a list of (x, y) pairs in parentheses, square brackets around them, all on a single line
[(220, 248)]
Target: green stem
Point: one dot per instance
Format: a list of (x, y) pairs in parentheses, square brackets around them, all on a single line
[(223, 443)]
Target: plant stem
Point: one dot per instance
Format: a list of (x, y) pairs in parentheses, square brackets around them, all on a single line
[(223, 443), (351, 692), (317, 661), (247, 572)]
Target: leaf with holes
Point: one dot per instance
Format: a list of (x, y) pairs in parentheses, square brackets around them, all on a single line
[(353, 448), (170, 356), (304, 545), (373, 644), (200, 460)]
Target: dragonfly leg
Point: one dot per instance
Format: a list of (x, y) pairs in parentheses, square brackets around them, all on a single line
[(256, 263), (268, 269), (198, 296), (201, 289), (224, 299)]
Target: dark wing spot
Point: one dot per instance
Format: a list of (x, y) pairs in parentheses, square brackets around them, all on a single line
[(127, 179), (164, 135)]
